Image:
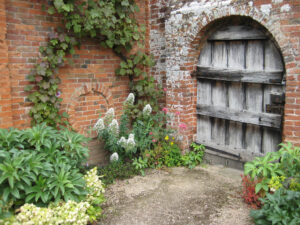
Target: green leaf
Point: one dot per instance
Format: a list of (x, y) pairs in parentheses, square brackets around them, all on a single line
[(51, 10), (65, 115)]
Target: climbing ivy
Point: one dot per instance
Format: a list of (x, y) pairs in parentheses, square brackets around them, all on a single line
[(45, 96), (109, 22)]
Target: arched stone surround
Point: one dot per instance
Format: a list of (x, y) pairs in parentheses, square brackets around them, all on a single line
[(185, 31)]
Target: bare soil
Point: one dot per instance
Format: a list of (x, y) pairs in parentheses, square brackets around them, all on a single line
[(208, 196)]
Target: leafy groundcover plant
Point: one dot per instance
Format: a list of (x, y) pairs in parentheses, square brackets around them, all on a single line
[(277, 180), (282, 207), (41, 166)]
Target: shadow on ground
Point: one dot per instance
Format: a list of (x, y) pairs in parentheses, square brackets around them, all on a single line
[(178, 196)]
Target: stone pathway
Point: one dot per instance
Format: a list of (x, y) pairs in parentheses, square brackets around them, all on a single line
[(178, 196)]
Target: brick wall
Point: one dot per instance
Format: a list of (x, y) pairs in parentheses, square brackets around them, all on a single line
[(89, 87), (5, 88), (178, 30)]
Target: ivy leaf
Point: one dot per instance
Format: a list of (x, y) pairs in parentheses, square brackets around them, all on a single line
[(44, 98), (122, 72), (51, 10), (45, 85), (28, 88), (137, 72), (65, 115)]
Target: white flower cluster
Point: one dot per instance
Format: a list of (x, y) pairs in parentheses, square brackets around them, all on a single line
[(128, 144), (64, 213), (99, 126), (94, 185), (130, 99), (147, 110), (114, 127), (109, 116), (114, 157)]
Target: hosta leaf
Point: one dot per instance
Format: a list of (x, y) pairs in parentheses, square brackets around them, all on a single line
[(6, 193)]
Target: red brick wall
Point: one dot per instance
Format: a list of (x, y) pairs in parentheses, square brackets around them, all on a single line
[(5, 90), (89, 87), (176, 37)]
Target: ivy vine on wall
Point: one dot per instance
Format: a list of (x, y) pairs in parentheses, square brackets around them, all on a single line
[(109, 22)]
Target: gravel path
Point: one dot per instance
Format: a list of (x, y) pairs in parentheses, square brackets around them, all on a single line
[(178, 196)]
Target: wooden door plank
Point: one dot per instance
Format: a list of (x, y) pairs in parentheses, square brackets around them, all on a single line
[(205, 55), (255, 56), (242, 154), (261, 119), (247, 76), (219, 55), (271, 140), (203, 122), (237, 33), (273, 59), (254, 103), (236, 98), (236, 55), (218, 98), (204, 129)]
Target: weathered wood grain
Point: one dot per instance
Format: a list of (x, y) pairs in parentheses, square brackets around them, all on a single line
[(261, 119), (247, 76), (238, 71), (237, 33)]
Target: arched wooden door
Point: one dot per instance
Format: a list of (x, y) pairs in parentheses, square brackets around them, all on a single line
[(240, 93)]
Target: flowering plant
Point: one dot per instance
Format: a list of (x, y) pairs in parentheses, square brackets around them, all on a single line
[(115, 136), (70, 212)]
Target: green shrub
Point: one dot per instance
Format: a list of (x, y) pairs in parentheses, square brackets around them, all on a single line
[(285, 162), (280, 208), (116, 170), (193, 157), (169, 154), (40, 165), (70, 212)]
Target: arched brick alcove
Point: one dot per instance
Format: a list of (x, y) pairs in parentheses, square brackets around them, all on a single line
[(87, 103)]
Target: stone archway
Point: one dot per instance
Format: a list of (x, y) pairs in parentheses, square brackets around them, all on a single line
[(185, 33)]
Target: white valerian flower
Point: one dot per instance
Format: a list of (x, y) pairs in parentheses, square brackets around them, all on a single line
[(147, 110), (130, 99), (122, 142), (114, 127), (109, 116), (114, 157), (130, 142), (99, 126)]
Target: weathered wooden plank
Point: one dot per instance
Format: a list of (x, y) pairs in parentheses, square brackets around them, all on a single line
[(218, 98), (219, 55), (271, 140), (261, 119), (205, 55), (247, 76), (236, 98), (203, 122), (273, 59), (203, 128), (236, 55), (255, 56), (241, 154), (237, 33)]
